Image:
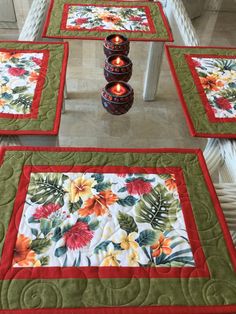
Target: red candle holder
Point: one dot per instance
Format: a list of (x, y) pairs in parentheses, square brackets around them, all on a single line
[(117, 97), (116, 44), (118, 68)]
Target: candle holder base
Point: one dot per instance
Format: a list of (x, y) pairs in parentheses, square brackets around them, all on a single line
[(117, 104), (116, 108)]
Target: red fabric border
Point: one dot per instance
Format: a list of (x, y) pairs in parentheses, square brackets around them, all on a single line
[(175, 309), (202, 93), (190, 124), (39, 85), (60, 98), (47, 22), (68, 5), (8, 272)]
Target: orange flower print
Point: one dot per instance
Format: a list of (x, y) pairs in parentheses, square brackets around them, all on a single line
[(2, 102), (33, 76), (5, 56), (211, 82), (161, 246), (23, 255), (98, 204), (109, 18), (171, 183)]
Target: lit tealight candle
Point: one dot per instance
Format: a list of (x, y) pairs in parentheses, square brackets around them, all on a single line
[(118, 62), (118, 90), (117, 40)]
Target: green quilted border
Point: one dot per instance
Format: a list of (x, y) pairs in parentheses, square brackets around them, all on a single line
[(49, 98), (191, 96), (220, 289), (55, 18)]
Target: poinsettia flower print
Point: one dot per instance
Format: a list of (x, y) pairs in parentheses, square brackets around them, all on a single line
[(16, 71), (45, 211), (78, 236), (223, 103), (138, 186)]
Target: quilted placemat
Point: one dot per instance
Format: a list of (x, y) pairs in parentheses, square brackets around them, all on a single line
[(32, 77), (85, 19), (206, 82), (112, 231)]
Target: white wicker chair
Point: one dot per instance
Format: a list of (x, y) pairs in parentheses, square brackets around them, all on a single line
[(32, 28)]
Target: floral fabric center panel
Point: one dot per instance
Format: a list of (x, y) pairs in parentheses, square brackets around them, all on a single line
[(19, 73), (107, 18), (218, 79), (102, 219)]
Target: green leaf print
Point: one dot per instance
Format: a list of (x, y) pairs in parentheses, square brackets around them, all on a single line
[(19, 89), (34, 232), (47, 189), (40, 245), (45, 226), (229, 93), (77, 261), (73, 207), (44, 260), (98, 177), (127, 222), (158, 208), (102, 186), (60, 251), (57, 234), (164, 176), (121, 190), (146, 237), (128, 201), (22, 103), (94, 225)]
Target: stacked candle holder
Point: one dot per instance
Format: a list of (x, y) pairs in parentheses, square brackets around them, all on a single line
[(117, 95)]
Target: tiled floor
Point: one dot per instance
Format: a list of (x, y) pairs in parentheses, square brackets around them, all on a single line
[(160, 123)]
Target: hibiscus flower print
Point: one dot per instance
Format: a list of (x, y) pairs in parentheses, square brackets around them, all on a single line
[(21, 72), (217, 77), (98, 204), (107, 18), (171, 183), (80, 187), (161, 246), (23, 255), (75, 219)]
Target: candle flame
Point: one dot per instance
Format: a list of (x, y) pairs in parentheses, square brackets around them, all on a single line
[(118, 60), (117, 39), (118, 88)]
